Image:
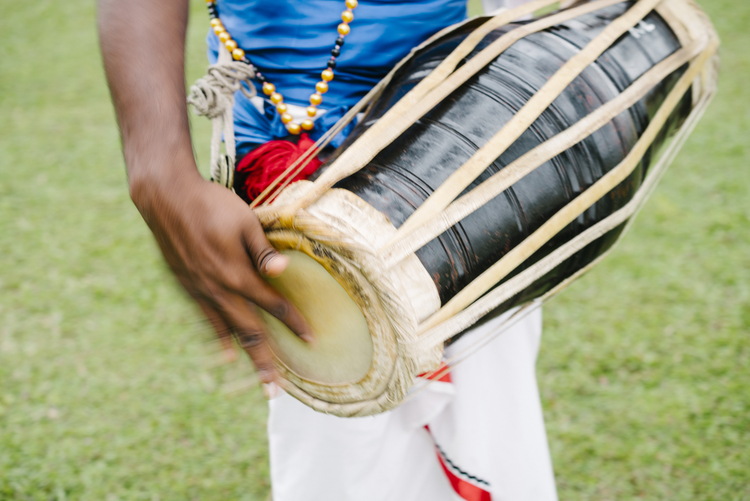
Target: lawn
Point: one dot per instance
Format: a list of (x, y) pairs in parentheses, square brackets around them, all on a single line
[(107, 387)]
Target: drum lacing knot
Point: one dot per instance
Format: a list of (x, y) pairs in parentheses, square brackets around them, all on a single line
[(211, 94)]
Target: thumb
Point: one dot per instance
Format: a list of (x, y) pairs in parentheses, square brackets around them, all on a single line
[(268, 261), (274, 263)]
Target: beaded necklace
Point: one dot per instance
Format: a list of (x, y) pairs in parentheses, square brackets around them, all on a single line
[(269, 89)]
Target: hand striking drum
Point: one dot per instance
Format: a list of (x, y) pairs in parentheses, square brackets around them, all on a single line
[(495, 164)]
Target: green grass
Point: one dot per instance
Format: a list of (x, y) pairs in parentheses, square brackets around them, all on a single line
[(105, 392)]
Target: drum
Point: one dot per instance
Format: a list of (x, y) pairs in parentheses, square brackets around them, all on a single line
[(494, 165)]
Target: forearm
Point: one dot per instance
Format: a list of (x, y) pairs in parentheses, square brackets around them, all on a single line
[(143, 44), (209, 238)]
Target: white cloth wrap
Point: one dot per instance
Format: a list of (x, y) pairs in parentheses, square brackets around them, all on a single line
[(487, 421)]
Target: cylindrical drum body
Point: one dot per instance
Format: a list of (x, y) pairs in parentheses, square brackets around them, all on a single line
[(392, 307), (401, 177)]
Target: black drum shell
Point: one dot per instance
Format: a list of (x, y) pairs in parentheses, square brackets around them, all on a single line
[(405, 173)]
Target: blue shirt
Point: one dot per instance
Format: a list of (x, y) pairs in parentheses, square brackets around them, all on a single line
[(290, 41)]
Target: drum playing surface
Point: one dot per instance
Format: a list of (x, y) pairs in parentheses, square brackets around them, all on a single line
[(342, 350)]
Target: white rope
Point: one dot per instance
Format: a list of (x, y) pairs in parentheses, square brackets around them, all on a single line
[(212, 96)]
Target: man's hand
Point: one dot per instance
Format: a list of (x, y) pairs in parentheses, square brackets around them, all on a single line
[(209, 237), (216, 248)]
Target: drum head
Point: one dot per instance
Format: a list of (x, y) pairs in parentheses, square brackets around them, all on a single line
[(342, 351)]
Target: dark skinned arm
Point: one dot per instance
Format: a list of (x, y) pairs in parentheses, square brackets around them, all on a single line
[(210, 239)]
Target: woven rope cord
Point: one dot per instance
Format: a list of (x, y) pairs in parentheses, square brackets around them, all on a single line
[(213, 96)]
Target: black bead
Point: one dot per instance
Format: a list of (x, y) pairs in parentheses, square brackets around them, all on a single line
[(340, 41), (336, 51), (332, 63)]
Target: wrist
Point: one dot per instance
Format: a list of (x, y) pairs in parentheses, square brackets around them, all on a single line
[(156, 180)]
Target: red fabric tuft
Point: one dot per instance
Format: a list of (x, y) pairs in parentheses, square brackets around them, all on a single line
[(259, 168)]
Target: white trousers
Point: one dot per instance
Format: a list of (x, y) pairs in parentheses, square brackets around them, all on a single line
[(479, 437)]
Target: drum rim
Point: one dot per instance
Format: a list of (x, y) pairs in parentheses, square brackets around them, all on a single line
[(388, 351)]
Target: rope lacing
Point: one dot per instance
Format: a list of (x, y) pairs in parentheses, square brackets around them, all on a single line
[(211, 93), (212, 96)]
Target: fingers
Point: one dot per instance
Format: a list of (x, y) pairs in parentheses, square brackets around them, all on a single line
[(250, 334), (222, 330), (270, 300), (236, 319), (245, 284), (271, 263), (268, 261)]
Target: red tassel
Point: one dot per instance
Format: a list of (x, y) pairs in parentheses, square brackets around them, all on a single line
[(259, 168)]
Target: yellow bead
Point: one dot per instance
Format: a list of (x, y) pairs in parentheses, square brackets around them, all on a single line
[(307, 124), (238, 54), (321, 87), (281, 108), (230, 45), (286, 118), (347, 16), (316, 99), (344, 29), (219, 29), (293, 128), (210, 1), (268, 88), (276, 98), (327, 75), (312, 111), (224, 37), (351, 4), (215, 22)]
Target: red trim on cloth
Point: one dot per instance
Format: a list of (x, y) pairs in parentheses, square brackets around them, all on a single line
[(441, 374), (467, 490), (463, 488), (259, 168)]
